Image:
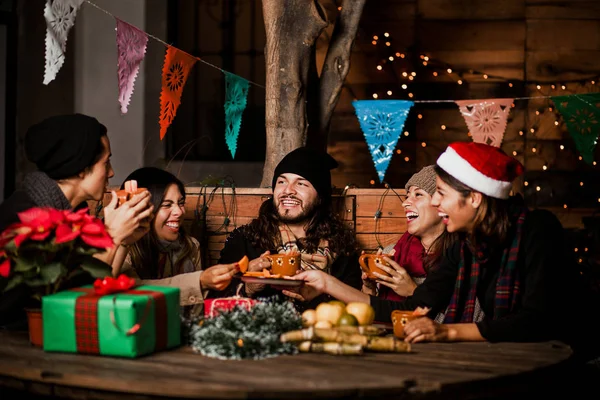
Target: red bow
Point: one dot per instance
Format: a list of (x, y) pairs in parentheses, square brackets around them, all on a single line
[(110, 285)]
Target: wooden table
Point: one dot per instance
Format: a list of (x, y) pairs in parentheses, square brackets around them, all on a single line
[(432, 370)]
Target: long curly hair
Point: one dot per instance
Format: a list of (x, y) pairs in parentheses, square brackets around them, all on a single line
[(145, 252), (323, 225)]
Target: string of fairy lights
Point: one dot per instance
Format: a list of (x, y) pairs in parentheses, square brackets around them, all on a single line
[(437, 69)]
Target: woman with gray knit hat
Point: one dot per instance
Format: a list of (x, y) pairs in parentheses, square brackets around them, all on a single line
[(419, 248), (72, 154)]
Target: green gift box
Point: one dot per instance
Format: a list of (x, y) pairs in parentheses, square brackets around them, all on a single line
[(132, 323)]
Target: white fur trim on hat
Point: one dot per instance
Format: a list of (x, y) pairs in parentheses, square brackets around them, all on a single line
[(460, 169)]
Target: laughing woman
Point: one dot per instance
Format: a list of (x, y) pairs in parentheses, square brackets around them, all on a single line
[(508, 278), (167, 255)]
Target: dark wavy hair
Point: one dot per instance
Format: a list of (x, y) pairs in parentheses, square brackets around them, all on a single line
[(145, 252), (324, 224), (492, 220)]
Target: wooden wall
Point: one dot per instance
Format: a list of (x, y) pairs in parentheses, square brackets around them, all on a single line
[(522, 42)]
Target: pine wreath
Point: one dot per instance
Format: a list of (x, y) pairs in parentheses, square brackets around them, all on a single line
[(247, 334)]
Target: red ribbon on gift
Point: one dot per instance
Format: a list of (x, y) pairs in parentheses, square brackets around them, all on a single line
[(86, 312)]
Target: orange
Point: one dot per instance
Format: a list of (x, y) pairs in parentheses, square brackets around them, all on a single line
[(243, 264)]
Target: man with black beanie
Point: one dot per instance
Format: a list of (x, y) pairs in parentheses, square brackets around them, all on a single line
[(72, 154), (298, 218)]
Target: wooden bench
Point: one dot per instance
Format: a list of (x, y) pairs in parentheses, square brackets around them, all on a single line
[(214, 212)]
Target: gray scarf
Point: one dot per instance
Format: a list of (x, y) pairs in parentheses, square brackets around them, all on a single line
[(45, 192), (173, 250)]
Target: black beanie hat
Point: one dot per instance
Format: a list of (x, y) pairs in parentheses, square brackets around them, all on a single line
[(64, 145), (312, 165)]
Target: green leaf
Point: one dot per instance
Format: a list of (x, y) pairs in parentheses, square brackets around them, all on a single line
[(51, 272), (24, 265), (96, 268), (14, 282)]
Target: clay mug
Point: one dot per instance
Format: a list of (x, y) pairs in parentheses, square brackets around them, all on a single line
[(284, 264), (124, 195), (399, 319), (368, 263)]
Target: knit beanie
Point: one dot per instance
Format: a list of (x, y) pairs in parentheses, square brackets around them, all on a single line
[(64, 145), (312, 165), (424, 179)]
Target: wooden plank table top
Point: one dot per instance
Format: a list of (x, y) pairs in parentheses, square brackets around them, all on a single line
[(432, 370)]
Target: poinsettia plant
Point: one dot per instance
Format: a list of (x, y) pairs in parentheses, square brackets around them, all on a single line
[(48, 249)]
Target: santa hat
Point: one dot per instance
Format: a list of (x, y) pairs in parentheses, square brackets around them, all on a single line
[(484, 168)]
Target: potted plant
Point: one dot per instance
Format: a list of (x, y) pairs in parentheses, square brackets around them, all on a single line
[(48, 251)]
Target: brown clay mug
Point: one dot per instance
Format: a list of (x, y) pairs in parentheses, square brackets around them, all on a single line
[(124, 195), (284, 264), (401, 318), (368, 263)]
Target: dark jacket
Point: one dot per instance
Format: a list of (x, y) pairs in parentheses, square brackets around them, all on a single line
[(552, 301), (19, 201), (238, 244)]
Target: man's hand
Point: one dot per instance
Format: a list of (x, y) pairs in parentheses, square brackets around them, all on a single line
[(258, 264), (426, 330), (123, 221)]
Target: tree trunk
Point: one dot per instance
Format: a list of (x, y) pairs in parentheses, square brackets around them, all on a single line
[(292, 27), (335, 69)]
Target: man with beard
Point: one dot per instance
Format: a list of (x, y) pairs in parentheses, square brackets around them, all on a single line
[(299, 217)]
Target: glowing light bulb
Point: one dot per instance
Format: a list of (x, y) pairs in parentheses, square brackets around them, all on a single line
[(411, 78), (379, 67), (563, 87), (538, 87), (402, 55), (411, 95), (443, 127), (564, 206), (562, 147), (375, 95), (532, 130), (550, 109), (423, 144), (424, 63), (375, 37), (593, 162), (397, 54), (404, 74), (406, 133), (398, 151), (520, 133), (420, 116), (435, 73), (372, 182), (386, 34), (553, 87), (374, 42), (413, 73), (526, 183), (537, 188), (389, 92), (580, 183), (533, 149), (580, 158), (449, 70), (485, 76), (544, 167), (575, 249), (510, 84), (404, 86), (537, 112), (556, 123), (388, 44), (406, 159), (460, 82), (426, 58), (593, 82), (514, 153), (391, 58)]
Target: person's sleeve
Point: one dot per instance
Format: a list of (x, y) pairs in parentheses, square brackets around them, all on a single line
[(188, 283), (347, 270), (434, 293), (234, 248), (544, 284)]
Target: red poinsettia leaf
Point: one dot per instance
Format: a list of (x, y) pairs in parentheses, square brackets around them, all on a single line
[(40, 236), (5, 268), (71, 217), (101, 240), (33, 214), (20, 238), (65, 233), (56, 216), (93, 228)]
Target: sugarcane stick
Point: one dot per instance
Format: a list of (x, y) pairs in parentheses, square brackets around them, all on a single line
[(324, 335), (387, 344), (334, 348)]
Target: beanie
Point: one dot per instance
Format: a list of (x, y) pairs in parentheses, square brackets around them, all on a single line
[(64, 145), (424, 179)]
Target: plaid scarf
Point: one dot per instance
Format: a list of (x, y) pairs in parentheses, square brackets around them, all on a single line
[(507, 285)]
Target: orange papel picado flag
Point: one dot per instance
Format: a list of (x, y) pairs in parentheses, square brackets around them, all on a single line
[(176, 70)]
